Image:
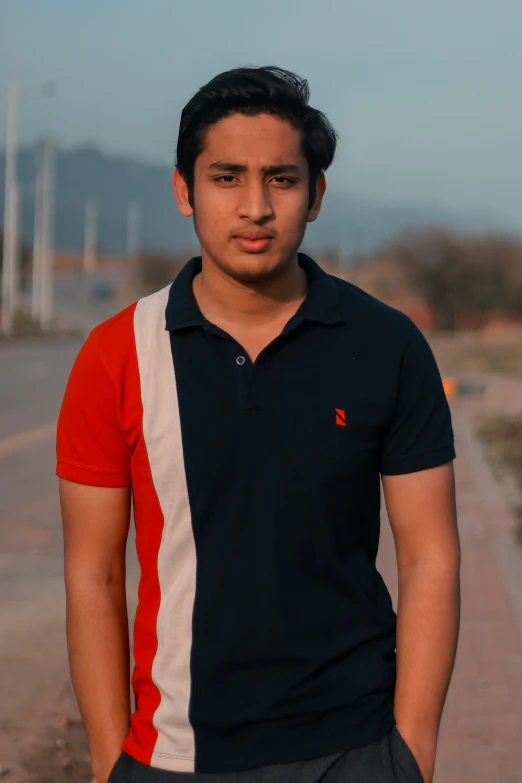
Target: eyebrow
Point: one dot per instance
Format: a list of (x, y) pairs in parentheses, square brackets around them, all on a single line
[(239, 168)]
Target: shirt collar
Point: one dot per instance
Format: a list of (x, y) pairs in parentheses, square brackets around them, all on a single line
[(321, 304), (182, 309)]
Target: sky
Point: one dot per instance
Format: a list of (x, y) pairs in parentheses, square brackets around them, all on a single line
[(426, 97)]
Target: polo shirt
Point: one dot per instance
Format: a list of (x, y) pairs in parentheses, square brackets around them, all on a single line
[(264, 633)]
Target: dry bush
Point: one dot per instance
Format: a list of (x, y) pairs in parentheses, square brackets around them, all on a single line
[(26, 258), (478, 353), (464, 279), (154, 270)]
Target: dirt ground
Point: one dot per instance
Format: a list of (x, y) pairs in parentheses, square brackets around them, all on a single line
[(60, 755), (41, 734), (42, 739), (494, 351)]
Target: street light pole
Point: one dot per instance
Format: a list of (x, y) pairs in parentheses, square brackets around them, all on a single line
[(15, 239), (9, 272), (46, 238), (133, 242), (90, 237), (133, 229), (48, 89), (37, 240)]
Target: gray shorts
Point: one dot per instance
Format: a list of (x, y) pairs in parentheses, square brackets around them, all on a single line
[(388, 760)]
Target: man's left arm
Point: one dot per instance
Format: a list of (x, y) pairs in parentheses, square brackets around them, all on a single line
[(421, 509)]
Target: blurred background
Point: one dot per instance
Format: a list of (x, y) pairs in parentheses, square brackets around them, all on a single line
[(423, 210)]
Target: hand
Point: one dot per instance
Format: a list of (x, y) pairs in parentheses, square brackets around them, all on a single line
[(103, 766), (423, 749), (103, 776)]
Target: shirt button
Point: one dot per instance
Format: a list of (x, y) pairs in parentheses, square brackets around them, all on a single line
[(240, 360)]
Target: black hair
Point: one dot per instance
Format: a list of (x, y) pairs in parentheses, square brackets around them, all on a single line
[(252, 91)]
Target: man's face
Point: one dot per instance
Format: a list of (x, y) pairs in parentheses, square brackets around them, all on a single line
[(251, 196)]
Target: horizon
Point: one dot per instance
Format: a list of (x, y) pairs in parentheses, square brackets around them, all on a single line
[(425, 99), (491, 220), (349, 224)]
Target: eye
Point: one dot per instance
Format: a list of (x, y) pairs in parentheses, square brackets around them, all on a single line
[(225, 178), (284, 181)]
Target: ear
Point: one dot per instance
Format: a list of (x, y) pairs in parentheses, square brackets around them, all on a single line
[(320, 188), (181, 192)]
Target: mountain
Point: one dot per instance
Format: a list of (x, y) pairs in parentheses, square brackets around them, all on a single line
[(346, 222), (87, 173)]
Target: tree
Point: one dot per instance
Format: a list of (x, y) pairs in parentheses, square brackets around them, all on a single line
[(433, 266), (154, 270), (459, 276)]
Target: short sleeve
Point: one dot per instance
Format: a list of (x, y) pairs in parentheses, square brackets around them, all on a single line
[(420, 434), (91, 448)]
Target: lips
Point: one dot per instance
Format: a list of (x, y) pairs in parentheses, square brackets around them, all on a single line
[(252, 242)]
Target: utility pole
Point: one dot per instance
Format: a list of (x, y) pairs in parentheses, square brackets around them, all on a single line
[(133, 242), (90, 237), (9, 271), (46, 238), (16, 227), (133, 229), (37, 240)]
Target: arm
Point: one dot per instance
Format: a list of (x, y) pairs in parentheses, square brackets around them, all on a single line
[(421, 509), (96, 524)]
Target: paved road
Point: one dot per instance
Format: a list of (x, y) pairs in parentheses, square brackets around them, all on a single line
[(481, 738), (34, 685), (32, 650), (35, 693), (481, 732)]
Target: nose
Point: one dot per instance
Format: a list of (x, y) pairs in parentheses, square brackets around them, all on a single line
[(255, 204)]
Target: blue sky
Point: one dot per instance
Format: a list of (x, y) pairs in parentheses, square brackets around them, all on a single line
[(426, 97)]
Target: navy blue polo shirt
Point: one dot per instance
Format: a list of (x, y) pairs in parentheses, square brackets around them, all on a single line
[(266, 635)]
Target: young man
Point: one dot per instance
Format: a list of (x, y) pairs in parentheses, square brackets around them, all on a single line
[(251, 408)]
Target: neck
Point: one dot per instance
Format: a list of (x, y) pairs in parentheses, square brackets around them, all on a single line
[(223, 298)]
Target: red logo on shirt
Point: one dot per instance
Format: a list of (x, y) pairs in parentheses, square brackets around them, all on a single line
[(340, 417)]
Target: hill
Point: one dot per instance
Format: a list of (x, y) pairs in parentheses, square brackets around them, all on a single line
[(346, 222)]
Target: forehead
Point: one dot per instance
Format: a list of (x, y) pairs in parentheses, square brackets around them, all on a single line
[(260, 139)]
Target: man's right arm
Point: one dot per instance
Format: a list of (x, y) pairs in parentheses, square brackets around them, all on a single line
[(96, 524)]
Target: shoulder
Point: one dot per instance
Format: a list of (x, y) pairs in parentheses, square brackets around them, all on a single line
[(376, 318), (110, 345), (118, 326), (113, 342)]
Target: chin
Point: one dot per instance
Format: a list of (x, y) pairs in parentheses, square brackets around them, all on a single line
[(254, 268)]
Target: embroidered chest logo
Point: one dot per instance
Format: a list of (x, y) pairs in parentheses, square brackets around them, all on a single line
[(340, 417)]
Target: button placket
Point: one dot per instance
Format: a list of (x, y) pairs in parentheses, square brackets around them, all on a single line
[(252, 389)]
